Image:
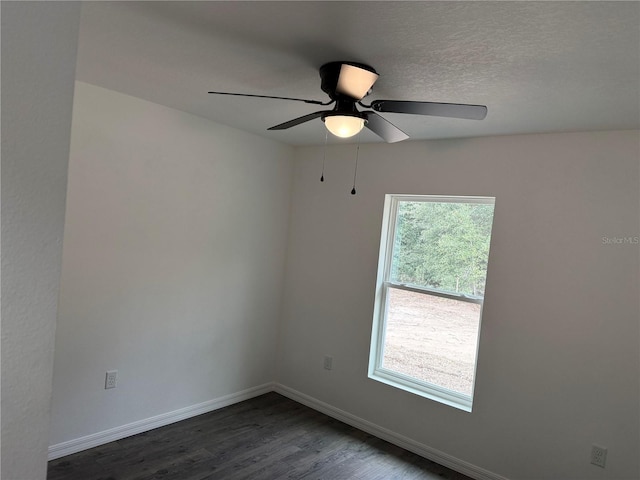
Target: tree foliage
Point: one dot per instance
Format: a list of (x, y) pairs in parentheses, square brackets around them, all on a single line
[(442, 245)]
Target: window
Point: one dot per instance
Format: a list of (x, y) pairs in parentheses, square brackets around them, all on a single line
[(432, 270)]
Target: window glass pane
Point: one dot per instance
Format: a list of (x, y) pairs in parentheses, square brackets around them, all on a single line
[(432, 339), (442, 245)]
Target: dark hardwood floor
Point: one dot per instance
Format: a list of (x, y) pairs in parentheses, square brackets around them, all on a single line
[(267, 437)]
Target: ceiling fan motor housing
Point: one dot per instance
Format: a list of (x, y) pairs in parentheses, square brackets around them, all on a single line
[(345, 107), (330, 74)]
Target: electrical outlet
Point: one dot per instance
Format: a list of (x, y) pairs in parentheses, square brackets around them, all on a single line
[(598, 455), (110, 379), (328, 362)]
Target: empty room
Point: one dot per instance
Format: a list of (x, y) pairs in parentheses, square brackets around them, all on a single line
[(320, 240)]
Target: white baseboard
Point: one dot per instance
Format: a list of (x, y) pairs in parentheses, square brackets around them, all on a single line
[(425, 451), (117, 433)]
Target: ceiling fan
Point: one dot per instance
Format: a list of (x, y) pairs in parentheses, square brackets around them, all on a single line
[(347, 83)]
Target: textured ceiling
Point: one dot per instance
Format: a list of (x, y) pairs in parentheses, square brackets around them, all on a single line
[(538, 66)]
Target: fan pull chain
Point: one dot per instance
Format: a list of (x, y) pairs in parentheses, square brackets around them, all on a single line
[(324, 154), (355, 172)]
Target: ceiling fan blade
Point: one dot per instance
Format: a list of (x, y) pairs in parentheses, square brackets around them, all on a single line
[(384, 129), (453, 110), (298, 121), (355, 81), (314, 102)]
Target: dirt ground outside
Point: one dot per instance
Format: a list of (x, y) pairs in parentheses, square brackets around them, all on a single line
[(432, 339)]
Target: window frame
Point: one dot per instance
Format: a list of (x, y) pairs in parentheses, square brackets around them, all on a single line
[(383, 285)]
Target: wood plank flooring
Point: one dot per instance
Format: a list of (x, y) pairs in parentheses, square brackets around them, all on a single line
[(266, 438)]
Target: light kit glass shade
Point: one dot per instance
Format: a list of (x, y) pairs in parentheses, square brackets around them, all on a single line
[(343, 126)]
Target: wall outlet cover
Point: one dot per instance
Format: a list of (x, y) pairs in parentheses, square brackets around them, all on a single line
[(598, 455), (328, 362), (111, 379)]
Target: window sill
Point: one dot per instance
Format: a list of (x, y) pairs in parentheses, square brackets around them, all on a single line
[(432, 392)]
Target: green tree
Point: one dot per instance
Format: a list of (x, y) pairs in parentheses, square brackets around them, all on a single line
[(443, 245)]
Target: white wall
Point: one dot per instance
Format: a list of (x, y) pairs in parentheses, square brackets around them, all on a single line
[(38, 65), (173, 262), (558, 359)]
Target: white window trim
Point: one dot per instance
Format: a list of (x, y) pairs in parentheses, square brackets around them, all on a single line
[(376, 370)]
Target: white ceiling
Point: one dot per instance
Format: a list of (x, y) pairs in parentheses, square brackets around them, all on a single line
[(538, 66)]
